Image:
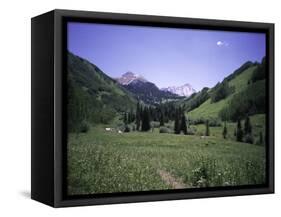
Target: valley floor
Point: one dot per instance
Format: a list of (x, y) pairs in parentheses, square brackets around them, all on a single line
[(102, 162)]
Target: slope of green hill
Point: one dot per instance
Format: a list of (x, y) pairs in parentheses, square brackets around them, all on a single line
[(195, 100), (239, 83), (93, 97), (208, 110), (250, 101)]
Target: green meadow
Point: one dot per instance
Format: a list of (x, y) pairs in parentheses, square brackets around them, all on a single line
[(103, 162)]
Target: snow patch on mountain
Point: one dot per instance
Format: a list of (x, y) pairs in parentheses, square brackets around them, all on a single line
[(184, 90), (130, 77)]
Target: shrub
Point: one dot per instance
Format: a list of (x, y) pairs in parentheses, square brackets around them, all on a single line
[(155, 124), (84, 127), (127, 129), (248, 138), (170, 126), (133, 126), (214, 122), (196, 121), (164, 130), (190, 131), (200, 176)]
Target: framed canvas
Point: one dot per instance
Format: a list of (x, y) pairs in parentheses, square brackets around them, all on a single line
[(134, 108)]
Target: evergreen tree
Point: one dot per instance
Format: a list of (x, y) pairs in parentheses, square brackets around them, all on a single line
[(261, 138), (129, 117), (138, 117), (183, 126), (248, 137), (161, 119), (145, 120), (247, 126), (133, 116), (239, 132), (127, 129), (177, 124), (224, 133), (125, 119), (207, 133)]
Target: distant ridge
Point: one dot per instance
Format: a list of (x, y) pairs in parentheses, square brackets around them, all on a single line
[(145, 90)]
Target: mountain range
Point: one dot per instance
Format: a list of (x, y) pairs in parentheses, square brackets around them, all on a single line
[(148, 92), (95, 96)]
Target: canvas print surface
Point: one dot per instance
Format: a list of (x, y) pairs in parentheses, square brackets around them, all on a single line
[(152, 108)]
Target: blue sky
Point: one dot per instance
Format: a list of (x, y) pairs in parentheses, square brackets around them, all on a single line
[(165, 56)]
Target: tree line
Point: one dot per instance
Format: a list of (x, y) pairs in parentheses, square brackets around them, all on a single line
[(243, 133), (163, 113)]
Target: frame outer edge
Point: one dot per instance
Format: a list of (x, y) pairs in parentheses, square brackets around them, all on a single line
[(58, 52), (272, 108), (57, 109)]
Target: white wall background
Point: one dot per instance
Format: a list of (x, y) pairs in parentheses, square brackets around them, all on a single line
[(15, 106)]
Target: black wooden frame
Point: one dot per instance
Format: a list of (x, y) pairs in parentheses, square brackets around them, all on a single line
[(48, 148)]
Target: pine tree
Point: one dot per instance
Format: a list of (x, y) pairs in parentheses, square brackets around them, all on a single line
[(224, 133), (248, 137), (239, 132), (133, 116), (207, 133), (177, 124), (145, 120), (148, 126), (129, 117), (183, 126), (161, 119), (125, 119), (261, 138), (138, 117), (247, 126)]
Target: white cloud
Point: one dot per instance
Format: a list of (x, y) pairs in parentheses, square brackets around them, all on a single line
[(219, 43), (222, 43)]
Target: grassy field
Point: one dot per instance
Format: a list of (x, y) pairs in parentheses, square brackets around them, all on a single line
[(257, 121), (208, 110), (103, 162)]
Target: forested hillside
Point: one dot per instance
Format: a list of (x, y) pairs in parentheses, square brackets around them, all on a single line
[(240, 94), (93, 97)]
